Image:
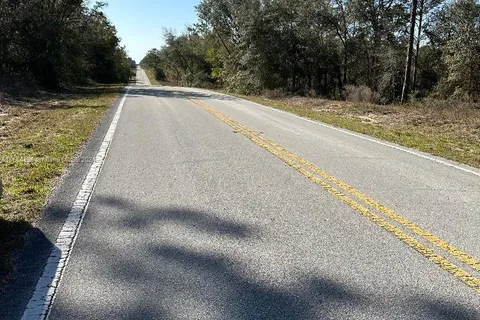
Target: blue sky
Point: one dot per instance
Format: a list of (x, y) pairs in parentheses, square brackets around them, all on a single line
[(140, 22)]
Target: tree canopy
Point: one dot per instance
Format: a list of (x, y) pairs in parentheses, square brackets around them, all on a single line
[(59, 42), (323, 47)]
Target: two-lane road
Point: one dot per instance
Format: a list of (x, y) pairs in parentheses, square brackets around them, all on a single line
[(211, 207)]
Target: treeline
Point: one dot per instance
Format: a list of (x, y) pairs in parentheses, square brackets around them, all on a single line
[(330, 48), (52, 43)]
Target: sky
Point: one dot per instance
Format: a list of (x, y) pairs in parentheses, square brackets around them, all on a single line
[(140, 22)]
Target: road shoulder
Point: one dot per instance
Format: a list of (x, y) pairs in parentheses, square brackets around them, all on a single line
[(30, 260)]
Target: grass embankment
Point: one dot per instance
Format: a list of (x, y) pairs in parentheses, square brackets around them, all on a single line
[(151, 76), (39, 137), (446, 129), (150, 72)]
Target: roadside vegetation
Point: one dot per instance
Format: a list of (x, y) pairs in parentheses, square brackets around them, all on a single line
[(407, 71), (151, 76), (156, 77), (39, 137), (329, 48), (61, 67), (53, 44)]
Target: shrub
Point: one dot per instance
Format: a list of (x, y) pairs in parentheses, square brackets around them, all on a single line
[(361, 94), (274, 93)]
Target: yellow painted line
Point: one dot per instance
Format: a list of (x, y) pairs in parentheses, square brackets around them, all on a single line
[(431, 238), (471, 281)]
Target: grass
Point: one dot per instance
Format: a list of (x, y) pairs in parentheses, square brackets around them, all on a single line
[(442, 128), (151, 76), (39, 137)]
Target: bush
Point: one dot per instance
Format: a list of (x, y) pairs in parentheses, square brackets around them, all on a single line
[(243, 82), (274, 94), (160, 75), (361, 94)]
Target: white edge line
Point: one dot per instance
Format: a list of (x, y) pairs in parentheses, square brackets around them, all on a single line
[(393, 146), (39, 305)]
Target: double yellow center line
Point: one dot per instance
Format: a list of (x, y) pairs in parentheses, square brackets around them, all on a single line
[(355, 199)]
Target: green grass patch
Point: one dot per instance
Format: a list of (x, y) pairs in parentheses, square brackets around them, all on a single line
[(39, 137)]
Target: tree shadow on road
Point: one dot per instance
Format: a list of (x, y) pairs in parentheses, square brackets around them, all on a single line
[(184, 277), (177, 93), (200, 221)]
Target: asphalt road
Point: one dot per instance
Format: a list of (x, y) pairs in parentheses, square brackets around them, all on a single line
[(196, 217), (142, 78)]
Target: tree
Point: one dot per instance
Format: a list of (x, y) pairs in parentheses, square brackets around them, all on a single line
[(320, 46), (57, 43), (411, 39), (417, 44), (462, 50)]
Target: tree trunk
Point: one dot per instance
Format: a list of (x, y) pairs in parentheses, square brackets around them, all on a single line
[(223, 42), (411, 39), (417, 52)]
